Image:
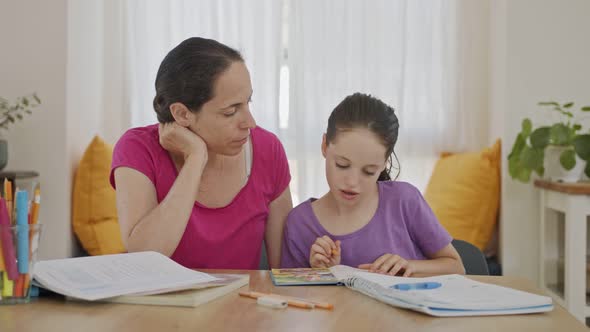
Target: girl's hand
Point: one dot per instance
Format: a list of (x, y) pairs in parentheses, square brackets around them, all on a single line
[(390, 264), (180, 140), (324, 252)]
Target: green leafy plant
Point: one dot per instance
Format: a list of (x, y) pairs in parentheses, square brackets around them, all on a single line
[(528, 151), (11, 112)]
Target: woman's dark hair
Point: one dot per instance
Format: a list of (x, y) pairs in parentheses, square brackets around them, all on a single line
[(188, 73), (364, 111)]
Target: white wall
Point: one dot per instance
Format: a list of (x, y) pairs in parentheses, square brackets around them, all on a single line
[(540, 51), (33, 58), (59, 57)]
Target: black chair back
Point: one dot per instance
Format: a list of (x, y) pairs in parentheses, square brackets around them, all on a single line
[(473, 259)]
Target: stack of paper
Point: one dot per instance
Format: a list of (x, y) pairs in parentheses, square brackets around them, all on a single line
[(101, 277)]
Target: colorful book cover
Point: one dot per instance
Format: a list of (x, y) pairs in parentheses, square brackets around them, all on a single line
[(303, 277)]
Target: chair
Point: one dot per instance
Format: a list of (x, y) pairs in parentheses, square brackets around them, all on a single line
[(263, 265), (473, 259)]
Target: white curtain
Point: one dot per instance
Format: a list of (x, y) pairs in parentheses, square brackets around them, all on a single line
[(405, 52), (154, 27), (426, 58)]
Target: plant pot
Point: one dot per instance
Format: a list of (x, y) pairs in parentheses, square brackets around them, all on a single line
[(553, 169), (3, 153)]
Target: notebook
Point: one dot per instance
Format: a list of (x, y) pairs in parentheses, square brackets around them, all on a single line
[(442, 296), (100, 277), (193, 297)]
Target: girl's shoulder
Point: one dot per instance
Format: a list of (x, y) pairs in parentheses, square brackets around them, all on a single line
[(301, 211), (399, 189)]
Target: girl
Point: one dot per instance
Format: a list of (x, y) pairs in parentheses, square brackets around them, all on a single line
[(366, 220)]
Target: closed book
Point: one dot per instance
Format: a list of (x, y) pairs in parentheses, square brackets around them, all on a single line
[(193, 297)]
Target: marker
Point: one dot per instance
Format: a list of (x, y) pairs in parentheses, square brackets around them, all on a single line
[(22, 224), (416, 286)]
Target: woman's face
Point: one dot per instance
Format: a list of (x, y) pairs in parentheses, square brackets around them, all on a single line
[(224, 122), (354, 160)]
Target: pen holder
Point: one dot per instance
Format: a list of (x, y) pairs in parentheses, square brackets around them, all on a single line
[(18, 254)]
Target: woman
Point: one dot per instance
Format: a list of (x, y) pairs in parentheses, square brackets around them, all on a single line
[(205, 186)]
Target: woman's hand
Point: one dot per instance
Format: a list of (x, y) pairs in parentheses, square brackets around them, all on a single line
[(324, 252), (390, 264), (180, 140)]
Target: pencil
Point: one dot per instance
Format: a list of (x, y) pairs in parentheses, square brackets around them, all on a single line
[(317, 304), (35, 206), (290, 302), (289, 299), (8, 198)]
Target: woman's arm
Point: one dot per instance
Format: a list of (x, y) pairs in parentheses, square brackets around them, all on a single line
[(277, 215), (147, 225)]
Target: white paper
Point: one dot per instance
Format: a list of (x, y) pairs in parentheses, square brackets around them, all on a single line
[(99, 277)]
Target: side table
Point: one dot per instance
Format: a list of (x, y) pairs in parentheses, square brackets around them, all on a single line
[(569, 245)]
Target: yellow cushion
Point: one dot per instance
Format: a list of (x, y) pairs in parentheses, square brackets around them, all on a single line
[(94, 213), (464, 193)]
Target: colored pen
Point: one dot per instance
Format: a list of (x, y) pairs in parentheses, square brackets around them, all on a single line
[(290, 302), (416, 286)]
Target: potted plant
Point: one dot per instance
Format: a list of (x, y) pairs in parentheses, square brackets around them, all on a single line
[(560, 152), (10, 113)]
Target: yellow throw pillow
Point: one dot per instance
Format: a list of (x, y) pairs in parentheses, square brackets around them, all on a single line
[(464, 193), (94, 213)]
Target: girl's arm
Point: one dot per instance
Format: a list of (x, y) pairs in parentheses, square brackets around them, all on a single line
[(147, 225), (444, 261), (277, 215)]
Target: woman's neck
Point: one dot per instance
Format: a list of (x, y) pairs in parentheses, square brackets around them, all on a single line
[(216, 163)]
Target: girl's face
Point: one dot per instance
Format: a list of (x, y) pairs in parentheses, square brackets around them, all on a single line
[(224, 122), (354, 160)]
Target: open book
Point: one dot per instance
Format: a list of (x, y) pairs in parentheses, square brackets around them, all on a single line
[(193, 297), (304, 276), (447, 295), (100, 277)]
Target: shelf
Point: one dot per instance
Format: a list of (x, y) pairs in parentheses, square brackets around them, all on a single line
[(556, 294), (578, 188)]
